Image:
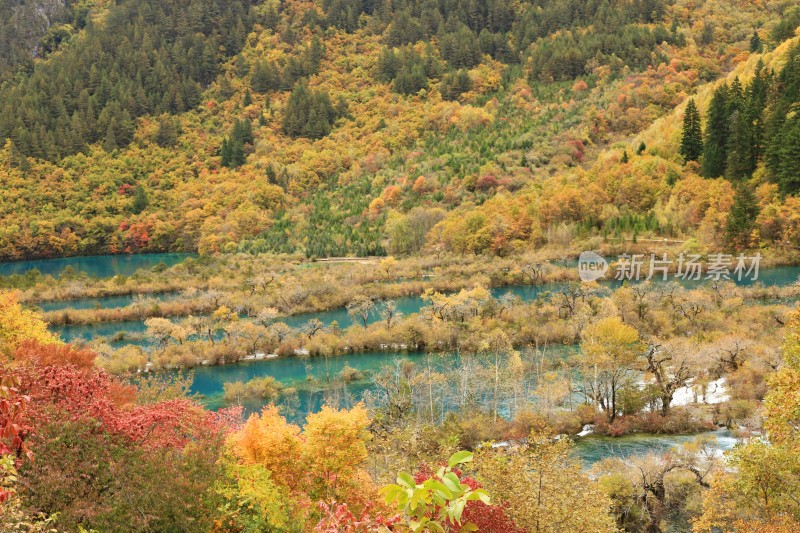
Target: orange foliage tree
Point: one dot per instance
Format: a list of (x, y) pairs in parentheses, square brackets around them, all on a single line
[(324, 462)]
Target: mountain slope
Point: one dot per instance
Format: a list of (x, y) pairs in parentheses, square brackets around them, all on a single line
[(332, 128)]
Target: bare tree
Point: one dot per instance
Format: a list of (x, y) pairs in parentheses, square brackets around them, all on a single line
[(361, 308), (312, 327), (390, 313), (670, 363)]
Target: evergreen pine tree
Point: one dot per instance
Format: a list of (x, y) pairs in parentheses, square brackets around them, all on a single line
[(789, 160), (736, 96), (742, 216), (388, 65), (225, 153), (139, 200), (259, 77), (167, 133), (342, 107), (757, 93), (715, 149), (774, 133), (707, 36), (739, 165), (692, 139), (296, 115), (238, 157), (110, 142), (411, 79), (308, 113), (755, 43)]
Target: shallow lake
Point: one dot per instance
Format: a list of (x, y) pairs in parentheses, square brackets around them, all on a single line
[(314, 392), (594, 448), (88, 332), (779, 276), (208, 383), (101, 266), (103, 302)]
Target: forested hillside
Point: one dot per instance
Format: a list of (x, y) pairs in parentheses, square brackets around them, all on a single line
[(452, 366), (340, 127)]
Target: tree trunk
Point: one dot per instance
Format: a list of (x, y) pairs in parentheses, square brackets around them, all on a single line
[(666, 400)]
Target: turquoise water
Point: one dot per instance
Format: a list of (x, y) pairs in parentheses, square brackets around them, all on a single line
[(88, 332), (405, 304), (594, 448), (408, 305), (312, 394), (315, 378), (779, 276), (769, 277), (294, 371), (774, 277), (103, 302), (101, 266)]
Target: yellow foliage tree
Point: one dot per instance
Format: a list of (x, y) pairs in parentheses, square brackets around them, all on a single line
[(18, 324), (334, 450), (782, 420), (270, 441), (545, 488), (608, 354), (759, 490), (323, 463)]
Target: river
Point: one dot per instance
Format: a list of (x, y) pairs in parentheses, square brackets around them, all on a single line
[(779, 276), (309, 377), (295, 372), (100, 266)]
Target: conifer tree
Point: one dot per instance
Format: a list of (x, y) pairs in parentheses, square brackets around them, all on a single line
[(148, 62), (692, 139), (225, 153), (139, 200), (167, 133), (742, 217), (789, 166), (297, 108), (236, 153), (715, 148), (260, 77), (755, 43), (308, 113), (110, 142), (736, 98), (757, 94), (739, 164), (455, 84), (411, 79)]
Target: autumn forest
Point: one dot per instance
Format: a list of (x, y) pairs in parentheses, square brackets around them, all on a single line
[(399, 266)]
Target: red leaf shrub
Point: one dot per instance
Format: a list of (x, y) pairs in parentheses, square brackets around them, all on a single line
[(13, 427), (338, 518), (68, 392), (37, 354)]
